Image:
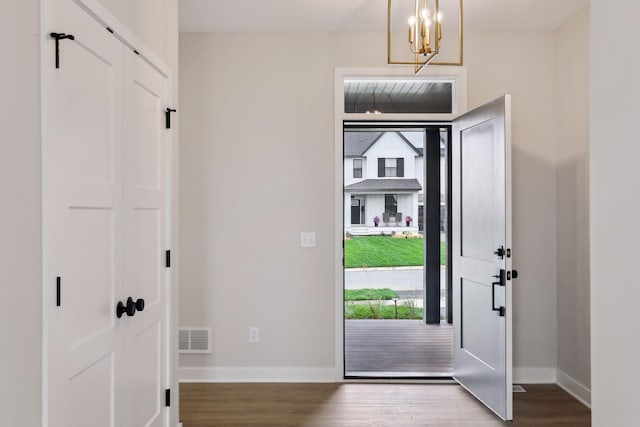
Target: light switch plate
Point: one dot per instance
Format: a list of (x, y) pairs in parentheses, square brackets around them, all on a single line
[(307, 239)]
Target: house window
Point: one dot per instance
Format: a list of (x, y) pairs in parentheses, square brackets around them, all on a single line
[(391, 167), (391, 203), (357, 168)]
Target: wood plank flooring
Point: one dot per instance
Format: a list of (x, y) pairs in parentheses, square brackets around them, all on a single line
[(395, 348), (368, 405)]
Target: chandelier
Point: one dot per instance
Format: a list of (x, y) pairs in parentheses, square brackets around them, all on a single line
[(425, 34)]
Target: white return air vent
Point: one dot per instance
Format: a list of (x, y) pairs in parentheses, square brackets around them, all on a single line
[(194, 340)]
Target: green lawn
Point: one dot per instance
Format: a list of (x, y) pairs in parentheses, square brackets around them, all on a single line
[(369, 294), (385, 251), (377, 310)]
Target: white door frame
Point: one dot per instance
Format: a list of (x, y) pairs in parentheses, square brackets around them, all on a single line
[(47, 55), (459, 74)]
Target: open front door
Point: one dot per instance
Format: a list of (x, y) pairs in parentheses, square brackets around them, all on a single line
[(482, 360)]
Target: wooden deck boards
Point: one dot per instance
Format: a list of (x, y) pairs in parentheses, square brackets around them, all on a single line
[(397, 348)]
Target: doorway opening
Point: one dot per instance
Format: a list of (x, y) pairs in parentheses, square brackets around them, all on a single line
[(397, 294)]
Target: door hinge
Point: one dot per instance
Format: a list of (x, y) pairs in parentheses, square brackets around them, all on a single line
[(58, 37), (167, 117), (58, 292), (167, 259), (167, 397)]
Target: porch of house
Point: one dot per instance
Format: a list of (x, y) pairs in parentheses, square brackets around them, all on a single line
[(364, 230), (398, 348)]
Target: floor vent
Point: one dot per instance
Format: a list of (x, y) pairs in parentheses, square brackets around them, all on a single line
[(194, 340), (518, 389)]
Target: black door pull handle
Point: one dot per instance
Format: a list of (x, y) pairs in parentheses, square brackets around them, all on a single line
[(501, 310)]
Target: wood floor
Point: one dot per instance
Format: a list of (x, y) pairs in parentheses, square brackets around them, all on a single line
[(396, 348), (368, 405)]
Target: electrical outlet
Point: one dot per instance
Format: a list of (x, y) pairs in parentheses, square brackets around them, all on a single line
[(254, 336)]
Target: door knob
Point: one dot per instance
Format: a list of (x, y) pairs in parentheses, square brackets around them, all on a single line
[(130, 308), (140, 304)]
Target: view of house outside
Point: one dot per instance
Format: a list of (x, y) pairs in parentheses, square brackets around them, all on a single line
[(383, 217)]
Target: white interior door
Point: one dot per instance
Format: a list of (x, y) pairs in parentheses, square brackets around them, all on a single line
[(83, 221), (145, 242), (106, 187), (482, 254)]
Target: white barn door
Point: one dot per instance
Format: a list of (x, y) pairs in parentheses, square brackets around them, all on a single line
[(482, 254), (83, 184), (106, 227)]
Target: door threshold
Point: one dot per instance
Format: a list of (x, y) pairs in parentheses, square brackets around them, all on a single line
[(402, 380), (398, 375)]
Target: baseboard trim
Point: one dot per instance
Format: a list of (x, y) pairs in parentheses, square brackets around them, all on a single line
[(574, 388), (534, 375), (257, 375)]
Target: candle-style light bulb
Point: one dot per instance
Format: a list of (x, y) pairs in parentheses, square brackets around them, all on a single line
[(412, 29), (438, 20)]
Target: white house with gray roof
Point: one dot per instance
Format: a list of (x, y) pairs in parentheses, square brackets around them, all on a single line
[(383, 177)]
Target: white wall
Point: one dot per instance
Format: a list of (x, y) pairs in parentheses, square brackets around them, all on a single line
[(523, 64), (348, 171), (390, 145), (275, 107), (614, 149), (20, 216), (572, 177)]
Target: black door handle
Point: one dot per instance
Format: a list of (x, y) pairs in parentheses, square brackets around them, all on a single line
[(501, 310), (130, 308)]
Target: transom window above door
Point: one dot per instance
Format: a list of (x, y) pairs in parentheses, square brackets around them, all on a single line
[(399, 95)]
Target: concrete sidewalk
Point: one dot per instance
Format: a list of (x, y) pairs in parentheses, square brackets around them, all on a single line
[(395, 278)]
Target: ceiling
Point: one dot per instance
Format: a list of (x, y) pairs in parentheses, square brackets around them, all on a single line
[(363, 15)]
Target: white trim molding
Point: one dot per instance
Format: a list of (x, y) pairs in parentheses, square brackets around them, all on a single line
[(253, 374), (457, 74), (574, 387)]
